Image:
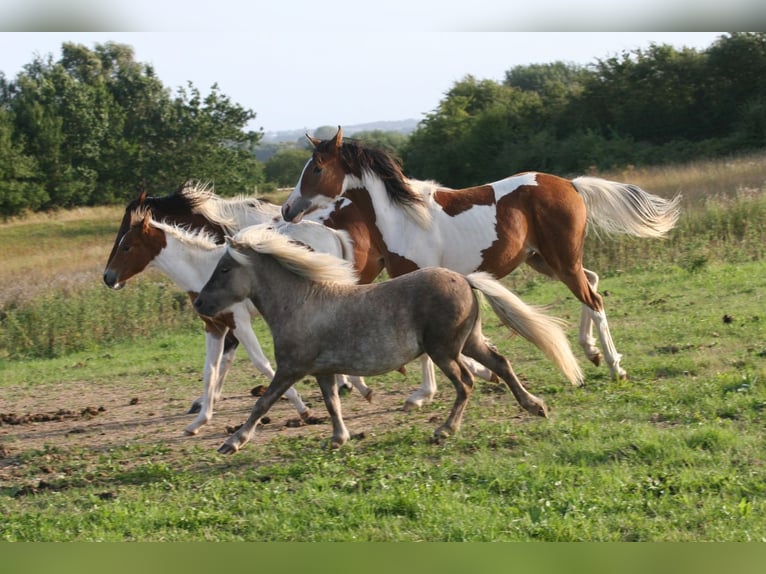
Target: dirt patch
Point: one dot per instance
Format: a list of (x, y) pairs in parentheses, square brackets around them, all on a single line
[(155, 412)]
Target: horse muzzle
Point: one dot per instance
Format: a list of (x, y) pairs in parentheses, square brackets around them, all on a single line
[(294, 211), (205, 307), (111, 281)]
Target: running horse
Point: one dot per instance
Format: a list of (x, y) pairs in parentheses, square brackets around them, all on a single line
[(324, 323), (534, 218)]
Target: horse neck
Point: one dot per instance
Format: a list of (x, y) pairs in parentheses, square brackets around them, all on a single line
[(187, 265), (387, 220), (277, 292)]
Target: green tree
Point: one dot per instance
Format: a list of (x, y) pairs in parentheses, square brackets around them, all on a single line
[(654, 95), (20, 188), (462, 142), (285, 167), (392, 142), (102, 125)]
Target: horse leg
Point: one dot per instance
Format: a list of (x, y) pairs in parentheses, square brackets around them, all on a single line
[(586, 340), (462, 379), (425, 393), (359, 384), (578, 283), (567, 267), (246, 335), (329, 389), (279, 385), (214, 343), (230, 346), (479, 370), (478, 348)]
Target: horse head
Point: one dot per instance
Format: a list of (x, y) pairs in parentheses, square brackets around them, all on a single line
[(321, 179), (137, 247)]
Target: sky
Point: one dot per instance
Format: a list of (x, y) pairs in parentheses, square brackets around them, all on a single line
[(302, 64)]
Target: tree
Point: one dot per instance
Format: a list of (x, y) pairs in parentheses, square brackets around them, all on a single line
[(102, 125), (392, 142), (460, 142), (20, 189), (285, 167)]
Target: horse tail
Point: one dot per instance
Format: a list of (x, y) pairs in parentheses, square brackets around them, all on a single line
[(541, 330), (624, 208)]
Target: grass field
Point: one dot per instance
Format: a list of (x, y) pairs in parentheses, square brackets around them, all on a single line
[(675, 453)]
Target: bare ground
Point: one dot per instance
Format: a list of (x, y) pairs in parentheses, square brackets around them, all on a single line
[(100, 417)]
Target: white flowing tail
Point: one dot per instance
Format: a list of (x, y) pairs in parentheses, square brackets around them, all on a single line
[(541, 330), (624, 208)]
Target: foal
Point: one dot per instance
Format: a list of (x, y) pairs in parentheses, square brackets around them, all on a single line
[(324, 323)]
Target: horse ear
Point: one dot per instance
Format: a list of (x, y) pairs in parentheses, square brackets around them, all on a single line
[(147, 220), (314, 141), (142, 196), (339, 138)]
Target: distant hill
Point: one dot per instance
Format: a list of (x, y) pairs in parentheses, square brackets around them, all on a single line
[(402, 126)]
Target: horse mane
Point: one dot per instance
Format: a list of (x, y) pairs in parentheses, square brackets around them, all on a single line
[(195, 197), (360, 160), (229, 213), (295, 257), (199, 238)]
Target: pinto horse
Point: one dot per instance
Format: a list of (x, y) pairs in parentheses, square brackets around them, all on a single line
[(324, 323), (188, 258), (534, 218)]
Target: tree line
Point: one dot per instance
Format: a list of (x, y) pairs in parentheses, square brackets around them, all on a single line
[(95, 126)]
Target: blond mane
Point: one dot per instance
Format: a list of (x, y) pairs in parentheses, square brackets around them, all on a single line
[(300, 260), (201, 238), (231, 213)]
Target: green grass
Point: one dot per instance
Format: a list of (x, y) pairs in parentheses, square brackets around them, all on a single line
[(675, 453)]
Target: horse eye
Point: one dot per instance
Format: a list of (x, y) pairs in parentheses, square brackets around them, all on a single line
[(317, 169), (225, 269)]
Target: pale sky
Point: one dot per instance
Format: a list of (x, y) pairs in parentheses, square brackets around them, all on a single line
[(301, 64), (295, 84)]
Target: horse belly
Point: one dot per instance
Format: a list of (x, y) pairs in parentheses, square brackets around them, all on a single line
[(374, 356), (372, 345), (465, 236)]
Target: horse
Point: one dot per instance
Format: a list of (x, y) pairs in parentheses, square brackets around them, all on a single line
[(197, 207), (323, 323), (531, 217), (188, 258)]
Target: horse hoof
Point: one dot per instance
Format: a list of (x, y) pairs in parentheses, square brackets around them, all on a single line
[(595, 359), (440, 435), (368, 396), (226, 448), (190, 432), (410, 406)]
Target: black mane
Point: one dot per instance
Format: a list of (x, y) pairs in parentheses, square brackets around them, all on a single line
[(358, 158)]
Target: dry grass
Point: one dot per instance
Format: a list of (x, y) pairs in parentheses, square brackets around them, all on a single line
[(699, 181), (60, 250)]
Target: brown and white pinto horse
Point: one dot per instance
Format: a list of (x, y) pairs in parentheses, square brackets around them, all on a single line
[(534, 218)]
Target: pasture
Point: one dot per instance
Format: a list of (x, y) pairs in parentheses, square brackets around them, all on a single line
[(95, 385)]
